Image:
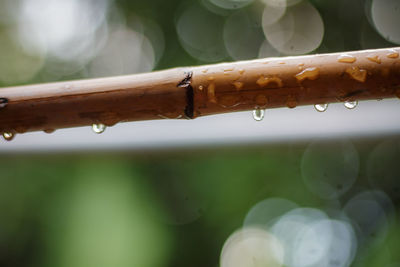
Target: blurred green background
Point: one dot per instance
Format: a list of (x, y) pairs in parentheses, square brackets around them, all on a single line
[(178, 207), (45, 40)]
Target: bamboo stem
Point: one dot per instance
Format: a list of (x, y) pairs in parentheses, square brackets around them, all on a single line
[(204, 90)]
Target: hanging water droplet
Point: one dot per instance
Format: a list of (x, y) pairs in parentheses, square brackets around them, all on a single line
[(398, 93), (3, 102), (258, 114), (321, 107), (98, 128), (351, 104), (49, 131), (8, 136), (291, 102)]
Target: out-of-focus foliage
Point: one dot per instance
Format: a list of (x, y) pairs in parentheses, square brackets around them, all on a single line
[(178, 208), (47, 40)]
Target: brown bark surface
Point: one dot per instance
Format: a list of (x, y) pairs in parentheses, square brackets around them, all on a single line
[(294, 81), (197, 91)]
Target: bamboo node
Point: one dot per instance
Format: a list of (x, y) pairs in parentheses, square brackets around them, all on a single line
[(3, 102)]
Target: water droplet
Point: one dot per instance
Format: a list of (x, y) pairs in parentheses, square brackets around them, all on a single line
[(170, 116), (20, 129), (308, 73), (241, 71), (211, 93), (98, 128), (351, 104), (357, 74), (3, 102), (261, 100), (49, 131), (238, 85), (375, 59), (264, 81), (393, 54), (229, 69), (8, 136), (321, 107), (201, 87), (258, 114), (291, 102), (229, 101), (345, 58), (398, 93)]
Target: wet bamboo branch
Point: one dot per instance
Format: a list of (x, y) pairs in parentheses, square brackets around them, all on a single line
[(197, 91)]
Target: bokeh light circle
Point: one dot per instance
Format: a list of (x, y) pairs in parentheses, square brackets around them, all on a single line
[(369, 217), (251, 247), (266, 50), (16, 65), (330, 169), (383, 167), (126, 52), (201, 33), (273, 12), (231, 4), (281, 3), (265, 212), (339, 239), (65, 29), (243, 35), (299, 31), (386, 18), (294, 232)]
